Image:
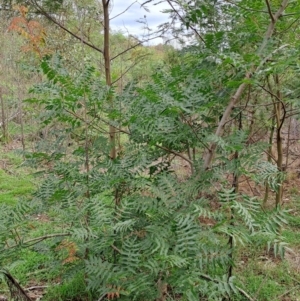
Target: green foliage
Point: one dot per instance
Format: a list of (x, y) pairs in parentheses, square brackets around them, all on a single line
[(155, 218), (132, 224), (30, 263)]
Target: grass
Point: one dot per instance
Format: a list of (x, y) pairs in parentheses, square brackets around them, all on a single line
[(15, 182), (14, 187), (30, 261), (269, 278), (74, 289)]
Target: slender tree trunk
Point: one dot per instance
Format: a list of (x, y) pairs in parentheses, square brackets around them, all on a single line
[(87, 169), (106, 54), (269, 158), (235, 185), (279, 107), (288, 143), (3, 117), (112, 129)]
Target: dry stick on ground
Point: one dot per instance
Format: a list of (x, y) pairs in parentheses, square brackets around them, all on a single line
[(37, 287), (208, 156), (16, 291), (36, 240)]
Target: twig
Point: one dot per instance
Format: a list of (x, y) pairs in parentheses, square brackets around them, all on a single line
[(37, 240), (115, 248), (124, 11), (31, 288), (182, 20), (175, 153), (270, 11), (287, 292)]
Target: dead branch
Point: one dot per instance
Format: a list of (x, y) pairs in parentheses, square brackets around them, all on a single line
[(36, 240), (124, 11)]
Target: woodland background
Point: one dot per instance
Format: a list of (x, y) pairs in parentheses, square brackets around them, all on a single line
[(136, 171)]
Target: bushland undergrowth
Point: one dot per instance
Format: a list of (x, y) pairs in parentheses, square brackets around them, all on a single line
[(171, 188)]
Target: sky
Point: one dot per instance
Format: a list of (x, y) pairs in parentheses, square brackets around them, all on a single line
[(127, 22)]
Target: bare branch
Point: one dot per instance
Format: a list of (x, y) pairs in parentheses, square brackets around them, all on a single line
[(175, 153), (132, 47), (36, 287), (38, 239), (270, 11), (116, 249), (270, 92), (146, 2), (49, 17), (124, 11), (116, 128)]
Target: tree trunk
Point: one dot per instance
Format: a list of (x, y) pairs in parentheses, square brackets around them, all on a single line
[(279, 107), (106, 54), (3, 124), (267, 187)]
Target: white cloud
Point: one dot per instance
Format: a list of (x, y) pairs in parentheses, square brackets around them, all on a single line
[(128, 21)]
